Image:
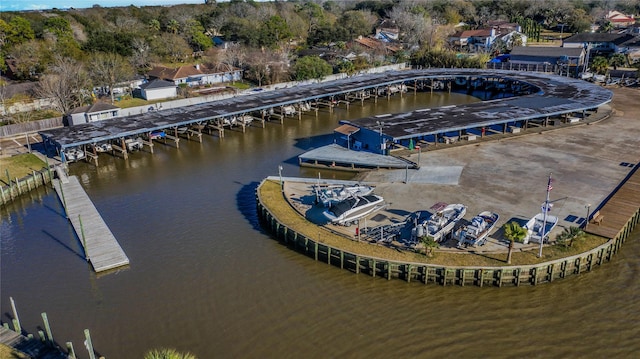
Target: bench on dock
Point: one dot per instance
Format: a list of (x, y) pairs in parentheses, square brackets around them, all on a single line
[(597, 218)]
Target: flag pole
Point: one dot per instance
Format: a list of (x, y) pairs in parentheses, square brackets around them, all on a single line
[(545, 209)]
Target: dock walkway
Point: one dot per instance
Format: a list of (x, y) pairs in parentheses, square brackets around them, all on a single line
[(616, 210), (101, 247), (32, 347)]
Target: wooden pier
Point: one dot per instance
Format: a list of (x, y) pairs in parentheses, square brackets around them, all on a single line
[(101, 247), (613, 215)]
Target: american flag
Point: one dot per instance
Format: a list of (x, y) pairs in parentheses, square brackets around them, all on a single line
[(549, 186)]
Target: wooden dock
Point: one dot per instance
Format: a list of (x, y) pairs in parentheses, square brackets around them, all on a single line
[(101, 247), (29, 347), (616, 211)]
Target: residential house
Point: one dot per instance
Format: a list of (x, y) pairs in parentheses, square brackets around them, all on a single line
[(598, 43), (503, 26), (387, 31), (97, 112), (196, 75), (375, 44), (572, 57), (475, 40), (509, 38), (620, 20), (158, 90)]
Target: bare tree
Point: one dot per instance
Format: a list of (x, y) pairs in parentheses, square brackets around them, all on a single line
[(235, 55), (65, 84), (108, 69), (141, 53)]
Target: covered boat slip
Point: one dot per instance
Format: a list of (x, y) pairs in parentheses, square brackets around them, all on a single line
[(553, 95), (338, 157)]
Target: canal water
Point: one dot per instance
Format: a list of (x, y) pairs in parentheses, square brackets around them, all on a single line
[(205, 278)]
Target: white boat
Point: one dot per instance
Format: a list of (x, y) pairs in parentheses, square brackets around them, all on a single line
[(101, 147), (133, 144), (353, 208), (535, 225), (73, 154), (330, 195), (476, 232), (441, 223), (244, 120)]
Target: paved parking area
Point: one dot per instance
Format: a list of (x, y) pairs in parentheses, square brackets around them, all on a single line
[(509, 176)]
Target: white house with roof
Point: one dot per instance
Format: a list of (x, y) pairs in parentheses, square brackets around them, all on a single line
[(474, 39), (197, 75), (97, 112), (158, 90)]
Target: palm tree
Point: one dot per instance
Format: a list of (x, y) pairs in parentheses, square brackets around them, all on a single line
[(429, 245), (154, 25), (513, 232), (607, 27), (617, 60), (600, 64), (173, 26), (167, 354)]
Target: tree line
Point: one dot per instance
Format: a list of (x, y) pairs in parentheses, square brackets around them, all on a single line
[(81, 48)]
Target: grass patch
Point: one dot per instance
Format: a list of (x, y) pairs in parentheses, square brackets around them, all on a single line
[(19, 166), (275, 202), (10, 353)]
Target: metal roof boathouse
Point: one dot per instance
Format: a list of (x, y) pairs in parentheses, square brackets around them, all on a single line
[(517, 100)]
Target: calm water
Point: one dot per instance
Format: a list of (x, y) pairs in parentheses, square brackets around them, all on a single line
[(205, 278)]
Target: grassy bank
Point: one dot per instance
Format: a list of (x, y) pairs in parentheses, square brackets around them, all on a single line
[(19, 166), (281, 209)]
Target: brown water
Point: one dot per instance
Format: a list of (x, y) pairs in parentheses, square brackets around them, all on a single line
[(205, 278)]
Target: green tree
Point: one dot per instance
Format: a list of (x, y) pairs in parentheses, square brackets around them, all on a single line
[(154, 25), (167, 354), (311, 67), (104, 41), (195, 33), (19, 31), (346, 67), (568, 235), (356, 23), (429, 244), (273, 31), (600, 65), (30, 59), (513, 232), (171, 47), (173, 26), (617, 60), (606, 27)]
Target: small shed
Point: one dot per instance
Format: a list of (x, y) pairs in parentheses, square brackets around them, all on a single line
[(158, 90)]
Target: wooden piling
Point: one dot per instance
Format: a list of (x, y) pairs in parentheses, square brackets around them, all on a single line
[(47, 328), (16, 320), (88, 344)]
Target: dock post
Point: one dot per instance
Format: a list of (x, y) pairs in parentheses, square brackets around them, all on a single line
[(16, 320), (88, 344), (84, 241), (71, 351), (64, 201), (47, 328)]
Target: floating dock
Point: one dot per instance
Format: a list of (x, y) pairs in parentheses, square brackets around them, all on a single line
[(101, 247)]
